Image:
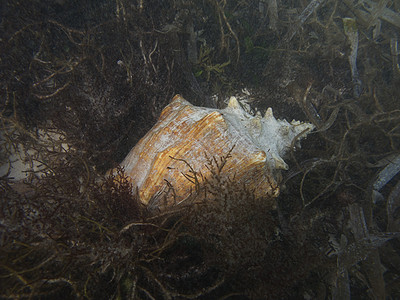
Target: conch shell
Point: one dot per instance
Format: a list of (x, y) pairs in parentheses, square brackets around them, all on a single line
[(187, 136)]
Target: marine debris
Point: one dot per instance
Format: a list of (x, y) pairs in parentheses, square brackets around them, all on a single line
[(350, 29)]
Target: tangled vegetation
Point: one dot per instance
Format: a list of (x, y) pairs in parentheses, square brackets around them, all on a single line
[(82, 81)]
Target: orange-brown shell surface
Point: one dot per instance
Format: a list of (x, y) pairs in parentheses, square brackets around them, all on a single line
[(186, 136)]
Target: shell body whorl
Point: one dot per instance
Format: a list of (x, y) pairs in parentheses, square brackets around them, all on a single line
[(189, 135)]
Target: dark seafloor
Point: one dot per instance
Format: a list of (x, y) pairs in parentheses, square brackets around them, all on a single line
[(82, 81)]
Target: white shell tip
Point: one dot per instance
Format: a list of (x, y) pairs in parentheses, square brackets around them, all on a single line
[(279, 163), (233, 103), (268, 113)]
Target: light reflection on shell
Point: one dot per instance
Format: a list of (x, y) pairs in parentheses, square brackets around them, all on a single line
[(186, 135)]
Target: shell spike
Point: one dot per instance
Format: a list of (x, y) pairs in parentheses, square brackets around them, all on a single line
[(269, 114), (233, 103), (279, 163)]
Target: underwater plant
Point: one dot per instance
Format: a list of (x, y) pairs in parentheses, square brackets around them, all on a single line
[(82, 81)]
